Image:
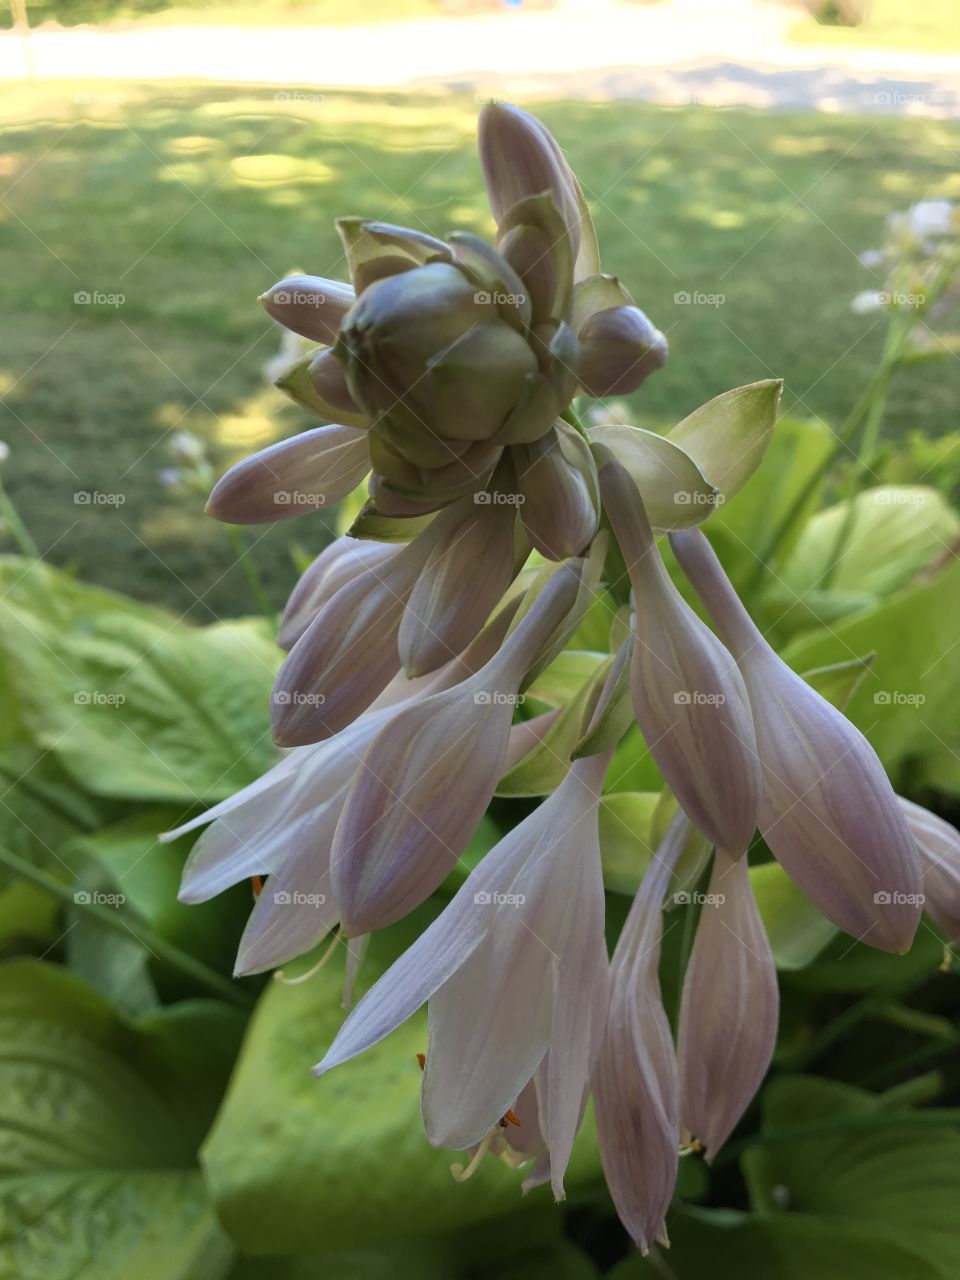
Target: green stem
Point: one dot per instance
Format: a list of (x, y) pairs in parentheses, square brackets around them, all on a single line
[(251, 573), (910, 1092), (21, 533), (111, 919)]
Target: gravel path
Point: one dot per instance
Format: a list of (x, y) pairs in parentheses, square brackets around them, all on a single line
[(713, 52)]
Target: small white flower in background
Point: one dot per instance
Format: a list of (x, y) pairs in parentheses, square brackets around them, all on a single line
[(868, 300), (4, 451), (292, 348), (169, 477), (872, 258), (925, 223), (185, 446)]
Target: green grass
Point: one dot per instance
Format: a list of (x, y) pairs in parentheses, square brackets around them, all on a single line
[(927, 25), (189, 201)]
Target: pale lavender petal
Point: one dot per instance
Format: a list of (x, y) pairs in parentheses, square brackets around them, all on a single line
[(416, 800), (938, 844), (348, 654), (333, 568), (440, 950), (828, 813), (688, 696), (293, 477), (729, 1008), (460, 585), (426, 781), (309, 305), (490, 1023), (636, 1088), (579, 1010), (296, 907)]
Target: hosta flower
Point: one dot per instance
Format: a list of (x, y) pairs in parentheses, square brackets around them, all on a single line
[(729, 1009), (637, 1093), (938, 843), (828, 812), (514, 974), (446, 353), (688, 695)]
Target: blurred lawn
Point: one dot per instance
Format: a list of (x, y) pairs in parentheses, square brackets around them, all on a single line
[(933, 25), (189, 202), (272, 13)]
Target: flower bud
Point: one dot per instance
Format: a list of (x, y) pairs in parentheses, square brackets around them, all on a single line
[(688, 697), (334, 567), (938, 844), (292, 477), (620, 348), (330, 385), (828, 812), (309, 305), (557, 480), (728, 1011)]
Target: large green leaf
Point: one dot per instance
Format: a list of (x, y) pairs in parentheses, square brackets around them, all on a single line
[(724, 1243), (895, 530), (892, 1181), (796, 930), (296, 1164), (100, 1121), (132, 702)]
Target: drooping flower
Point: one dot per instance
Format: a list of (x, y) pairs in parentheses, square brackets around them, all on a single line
[(728, 1011), (514, 972), (828, 811), (938, 843), (426, 780), (636, 1085), (688, 696)]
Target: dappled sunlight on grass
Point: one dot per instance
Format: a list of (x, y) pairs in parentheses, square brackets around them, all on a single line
[(191, 201)]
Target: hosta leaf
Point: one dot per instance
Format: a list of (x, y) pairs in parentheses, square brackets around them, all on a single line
[(296, 1164), (100, 1121), (131, 702)]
